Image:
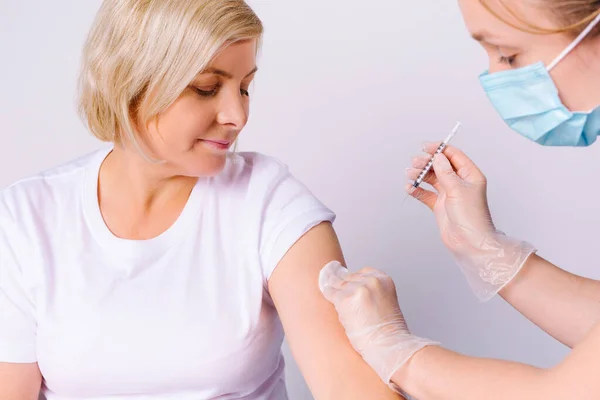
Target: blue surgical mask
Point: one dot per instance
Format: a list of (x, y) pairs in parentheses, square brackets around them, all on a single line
[(527, 99)]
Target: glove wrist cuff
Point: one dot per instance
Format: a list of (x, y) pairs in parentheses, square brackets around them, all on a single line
[(495, 263), (392, 353)]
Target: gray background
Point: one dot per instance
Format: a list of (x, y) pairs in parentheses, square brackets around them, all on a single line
[(346, 93)]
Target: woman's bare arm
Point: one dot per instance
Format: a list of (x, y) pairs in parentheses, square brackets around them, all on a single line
[(331, 367), (20, 381)]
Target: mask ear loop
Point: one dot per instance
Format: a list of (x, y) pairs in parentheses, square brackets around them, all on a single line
[(578, 40)]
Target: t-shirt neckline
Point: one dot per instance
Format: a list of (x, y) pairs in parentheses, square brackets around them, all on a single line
[(145, 247)]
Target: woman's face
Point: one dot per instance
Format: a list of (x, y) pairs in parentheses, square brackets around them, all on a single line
[(508, 48), (195, 133)]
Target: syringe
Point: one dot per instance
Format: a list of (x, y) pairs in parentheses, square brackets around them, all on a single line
[(440, 148), (429, 165)]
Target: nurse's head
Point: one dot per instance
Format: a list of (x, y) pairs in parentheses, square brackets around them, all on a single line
[(519, 33), (168, 81)]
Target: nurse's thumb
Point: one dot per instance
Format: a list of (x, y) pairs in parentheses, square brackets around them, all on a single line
[(444, 172)]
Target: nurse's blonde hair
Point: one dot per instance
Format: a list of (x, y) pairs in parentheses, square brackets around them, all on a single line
[(572, 15), (140, 55)]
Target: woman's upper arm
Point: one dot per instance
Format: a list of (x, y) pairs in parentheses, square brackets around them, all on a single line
[(20, 381), (576, 377), (331, 367), (20, 377)]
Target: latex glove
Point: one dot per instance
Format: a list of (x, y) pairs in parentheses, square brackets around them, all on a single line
[(488, 258), (368, 310)]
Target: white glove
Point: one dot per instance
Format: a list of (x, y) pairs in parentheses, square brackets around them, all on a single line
[(368, 310), (488, 258)]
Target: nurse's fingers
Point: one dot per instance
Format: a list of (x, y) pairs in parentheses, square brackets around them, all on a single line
[(369, 271), (341, 295), (426, 197), (447, 177), (465, 168), (413, 173), (420, 161)]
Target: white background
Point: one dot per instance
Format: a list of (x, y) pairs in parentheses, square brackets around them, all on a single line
[(346, 93)]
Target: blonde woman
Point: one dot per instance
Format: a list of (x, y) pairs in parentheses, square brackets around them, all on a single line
[(544, 80), (164, 266)]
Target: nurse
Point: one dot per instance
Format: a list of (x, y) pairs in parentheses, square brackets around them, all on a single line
[(544, 80)]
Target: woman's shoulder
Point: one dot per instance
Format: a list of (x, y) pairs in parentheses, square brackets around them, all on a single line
[(261, 180), (252, 168), (47, 184)]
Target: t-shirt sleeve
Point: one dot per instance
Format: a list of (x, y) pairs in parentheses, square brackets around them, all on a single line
[(291, 210), (17, 316)]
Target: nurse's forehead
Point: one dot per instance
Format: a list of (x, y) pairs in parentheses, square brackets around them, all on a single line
[(501, 17), (481, 23)]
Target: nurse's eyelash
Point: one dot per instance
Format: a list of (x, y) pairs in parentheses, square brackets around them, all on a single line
[(510, 60)]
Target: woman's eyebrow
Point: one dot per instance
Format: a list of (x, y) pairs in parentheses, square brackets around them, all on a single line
[(226, 74)]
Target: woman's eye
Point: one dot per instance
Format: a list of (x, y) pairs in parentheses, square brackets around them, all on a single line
[(212, 91), (207, 92)]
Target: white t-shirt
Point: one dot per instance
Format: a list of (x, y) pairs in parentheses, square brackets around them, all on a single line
[(185, 315)]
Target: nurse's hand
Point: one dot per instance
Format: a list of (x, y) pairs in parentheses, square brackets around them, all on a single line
[(368, 309), (488, 258)]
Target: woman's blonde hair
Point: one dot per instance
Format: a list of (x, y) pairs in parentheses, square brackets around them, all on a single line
[(140, 56), (572, 15)]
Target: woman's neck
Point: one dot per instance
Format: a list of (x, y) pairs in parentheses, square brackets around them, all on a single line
[(138, 180)]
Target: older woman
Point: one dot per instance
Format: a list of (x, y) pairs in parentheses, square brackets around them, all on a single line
[(164, 266)]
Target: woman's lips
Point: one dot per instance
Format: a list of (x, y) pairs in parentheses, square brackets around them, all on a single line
[(216, 144)]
